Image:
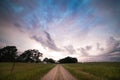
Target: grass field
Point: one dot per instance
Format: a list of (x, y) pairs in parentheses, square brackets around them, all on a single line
[(24, 71), (95, 71)]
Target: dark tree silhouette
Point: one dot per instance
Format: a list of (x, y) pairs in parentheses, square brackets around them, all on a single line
[(8, 54), (31, 55), (68, 60), (45, 59), (50, 60)]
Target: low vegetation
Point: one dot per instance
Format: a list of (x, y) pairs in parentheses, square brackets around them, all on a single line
[(95, 71), (24, 71)]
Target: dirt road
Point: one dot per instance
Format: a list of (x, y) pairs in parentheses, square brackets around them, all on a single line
[(58, 73)]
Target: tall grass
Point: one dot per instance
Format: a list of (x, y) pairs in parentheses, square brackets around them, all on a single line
[(24, 71), (95, 71)]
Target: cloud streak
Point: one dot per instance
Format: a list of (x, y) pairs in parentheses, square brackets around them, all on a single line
[(46, 41), (70, 49)]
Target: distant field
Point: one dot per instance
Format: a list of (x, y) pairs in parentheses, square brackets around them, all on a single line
[(95, 71), (24, 71)]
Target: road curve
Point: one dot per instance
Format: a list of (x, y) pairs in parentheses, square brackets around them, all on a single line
[(58, 73)]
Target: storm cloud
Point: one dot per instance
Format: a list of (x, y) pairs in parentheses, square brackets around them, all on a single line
[(46, 41)]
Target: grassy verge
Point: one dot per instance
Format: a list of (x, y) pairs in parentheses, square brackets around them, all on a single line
[(95, 71), (24, 71)]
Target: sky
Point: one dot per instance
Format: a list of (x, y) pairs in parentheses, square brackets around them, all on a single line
[(86, 29)]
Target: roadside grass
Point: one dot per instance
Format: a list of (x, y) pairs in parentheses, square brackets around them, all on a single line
[(24, 71), (95, 71)]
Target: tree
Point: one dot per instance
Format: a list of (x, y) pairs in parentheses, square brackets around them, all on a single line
[(31, 55), (68, 60), (8, 54), (50, 60), (45, 59)]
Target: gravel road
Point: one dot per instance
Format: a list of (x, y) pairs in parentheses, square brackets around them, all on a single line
[(58, 73)]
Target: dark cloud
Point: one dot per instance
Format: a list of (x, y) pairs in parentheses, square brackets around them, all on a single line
[(85, 51), (88, 47), (112, 45), (70, 49), (98, 47), (46, 41)]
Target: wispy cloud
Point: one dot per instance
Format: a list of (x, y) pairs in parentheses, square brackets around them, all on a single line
[(70, 49), (85, 51), (46, 40)]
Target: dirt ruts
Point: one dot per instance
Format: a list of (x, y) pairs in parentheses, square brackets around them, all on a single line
[(58, 73)]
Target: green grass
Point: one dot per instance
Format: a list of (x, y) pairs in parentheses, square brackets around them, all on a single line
[(24, 71), (95, 71)]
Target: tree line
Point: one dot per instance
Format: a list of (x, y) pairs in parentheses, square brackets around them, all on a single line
[(10, 54)]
